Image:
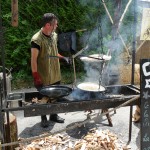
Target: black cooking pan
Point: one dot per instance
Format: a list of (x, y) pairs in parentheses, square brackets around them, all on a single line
[(55, 91)]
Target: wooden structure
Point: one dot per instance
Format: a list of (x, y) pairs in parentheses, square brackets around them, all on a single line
[(13, 135), (14, 8)]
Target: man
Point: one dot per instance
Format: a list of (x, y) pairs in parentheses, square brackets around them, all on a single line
[(45, 59)]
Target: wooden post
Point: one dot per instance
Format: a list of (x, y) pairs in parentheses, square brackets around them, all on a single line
[(14, 9), (12, 134)]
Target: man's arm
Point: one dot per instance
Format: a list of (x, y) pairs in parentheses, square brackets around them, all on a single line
[(35, 74), (34, 56)]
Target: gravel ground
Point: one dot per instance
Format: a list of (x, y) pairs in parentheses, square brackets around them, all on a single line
[(30, 126)]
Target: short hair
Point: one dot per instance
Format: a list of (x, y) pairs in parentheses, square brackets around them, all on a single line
[(48, 18)]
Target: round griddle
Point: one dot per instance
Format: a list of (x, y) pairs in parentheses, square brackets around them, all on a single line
[(90, 87), (88, 91), (55, 91)]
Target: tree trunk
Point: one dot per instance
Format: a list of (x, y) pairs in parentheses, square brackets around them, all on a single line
[(14, 8)]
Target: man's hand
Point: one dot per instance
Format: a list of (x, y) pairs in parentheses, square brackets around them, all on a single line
[(68, 60), (37, 80)]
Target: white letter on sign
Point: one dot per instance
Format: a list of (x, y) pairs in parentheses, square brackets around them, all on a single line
[(144, 68), (147, 83)]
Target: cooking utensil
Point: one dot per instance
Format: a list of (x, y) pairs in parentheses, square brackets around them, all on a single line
[(95, 58), (55, 91), (88, 91), (91, 87)]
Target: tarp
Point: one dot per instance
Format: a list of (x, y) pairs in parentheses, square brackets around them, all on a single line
[(67, 41)]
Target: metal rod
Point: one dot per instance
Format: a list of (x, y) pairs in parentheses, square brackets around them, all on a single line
[(130, 123), (81, 30), (3, 93), (134, 40), (74, 70), (1, 126), (78, 53), (2, 56)]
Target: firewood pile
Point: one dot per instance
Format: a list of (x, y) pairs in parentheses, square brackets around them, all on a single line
[(94, 140), (43, 100)]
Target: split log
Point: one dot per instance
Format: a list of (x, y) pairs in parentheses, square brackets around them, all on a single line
[(11, 131)]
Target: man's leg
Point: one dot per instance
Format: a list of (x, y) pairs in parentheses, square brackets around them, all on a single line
[(56, 118), (44, 122)]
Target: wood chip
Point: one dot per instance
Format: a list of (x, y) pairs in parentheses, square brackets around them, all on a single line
[(94, 140)]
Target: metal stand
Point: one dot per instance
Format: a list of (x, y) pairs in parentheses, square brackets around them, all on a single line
[(130, 123)]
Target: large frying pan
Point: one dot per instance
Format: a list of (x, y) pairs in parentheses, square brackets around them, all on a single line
[(91, 87), (89, 91), (55, 91)]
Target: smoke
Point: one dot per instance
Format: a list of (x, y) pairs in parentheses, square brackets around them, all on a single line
[(118, 45), (92, 71)]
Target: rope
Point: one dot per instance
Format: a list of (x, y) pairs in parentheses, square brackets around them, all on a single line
[(71, 127)]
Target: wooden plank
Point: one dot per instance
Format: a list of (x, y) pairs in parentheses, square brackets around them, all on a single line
[(14, 9), (145, 24)]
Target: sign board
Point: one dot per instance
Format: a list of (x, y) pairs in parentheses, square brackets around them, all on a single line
[(145, 29), (145, 103)]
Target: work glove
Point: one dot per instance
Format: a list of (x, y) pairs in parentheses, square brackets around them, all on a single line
[(68, 60), (37, 80)]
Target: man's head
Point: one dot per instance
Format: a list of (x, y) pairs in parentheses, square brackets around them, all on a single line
[(49, 22), (48, 18)]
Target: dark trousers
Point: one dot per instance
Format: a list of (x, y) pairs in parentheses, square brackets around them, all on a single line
[(43, 117)]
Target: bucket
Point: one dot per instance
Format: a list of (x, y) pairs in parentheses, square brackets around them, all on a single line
[(8, 80)]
